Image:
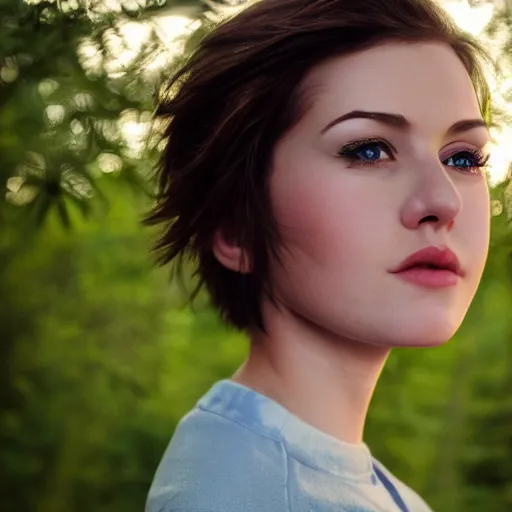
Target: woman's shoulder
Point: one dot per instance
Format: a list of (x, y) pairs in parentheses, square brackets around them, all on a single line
[(215, 464), (217, 439)]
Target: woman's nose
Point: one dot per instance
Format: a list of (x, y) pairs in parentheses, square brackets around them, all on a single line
[(434, 199)]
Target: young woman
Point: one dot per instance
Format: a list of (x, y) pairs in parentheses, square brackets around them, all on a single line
[(324, 167)]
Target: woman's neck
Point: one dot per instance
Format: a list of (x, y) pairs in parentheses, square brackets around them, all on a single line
[(326, 381)]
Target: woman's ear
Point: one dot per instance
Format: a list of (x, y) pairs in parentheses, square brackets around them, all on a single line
[(230, 255)]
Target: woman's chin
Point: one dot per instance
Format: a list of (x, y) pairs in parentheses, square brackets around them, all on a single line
[(426, 334), (414, 332)]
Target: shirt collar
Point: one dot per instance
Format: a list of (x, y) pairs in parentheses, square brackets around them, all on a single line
[(301, 440)]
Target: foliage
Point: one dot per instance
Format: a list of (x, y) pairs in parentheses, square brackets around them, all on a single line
[(68, 76)]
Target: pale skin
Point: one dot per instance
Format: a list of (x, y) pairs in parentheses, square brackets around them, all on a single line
[(345, 225)]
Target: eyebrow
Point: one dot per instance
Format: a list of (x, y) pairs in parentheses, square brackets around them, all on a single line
[(399, 121)]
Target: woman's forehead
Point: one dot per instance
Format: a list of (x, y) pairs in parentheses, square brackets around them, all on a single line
[(421, 81)]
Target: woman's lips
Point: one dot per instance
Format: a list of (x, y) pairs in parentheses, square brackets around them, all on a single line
[(429, 277), (431, 267)]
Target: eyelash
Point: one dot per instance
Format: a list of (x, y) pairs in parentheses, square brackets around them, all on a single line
[(350, 153)]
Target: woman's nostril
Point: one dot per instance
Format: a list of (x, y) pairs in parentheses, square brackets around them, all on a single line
[(429, 218)]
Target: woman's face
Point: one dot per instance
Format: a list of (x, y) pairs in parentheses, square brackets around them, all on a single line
[(354, 200)]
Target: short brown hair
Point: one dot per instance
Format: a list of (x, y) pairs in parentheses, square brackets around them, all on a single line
[(228, 105)]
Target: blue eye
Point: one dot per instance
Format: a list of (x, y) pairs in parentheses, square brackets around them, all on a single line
[(467, 160), (367, 152)]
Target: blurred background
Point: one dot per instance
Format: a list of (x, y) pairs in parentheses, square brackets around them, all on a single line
[(99, 354)]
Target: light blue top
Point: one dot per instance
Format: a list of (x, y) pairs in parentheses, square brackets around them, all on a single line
[(240, 451)]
